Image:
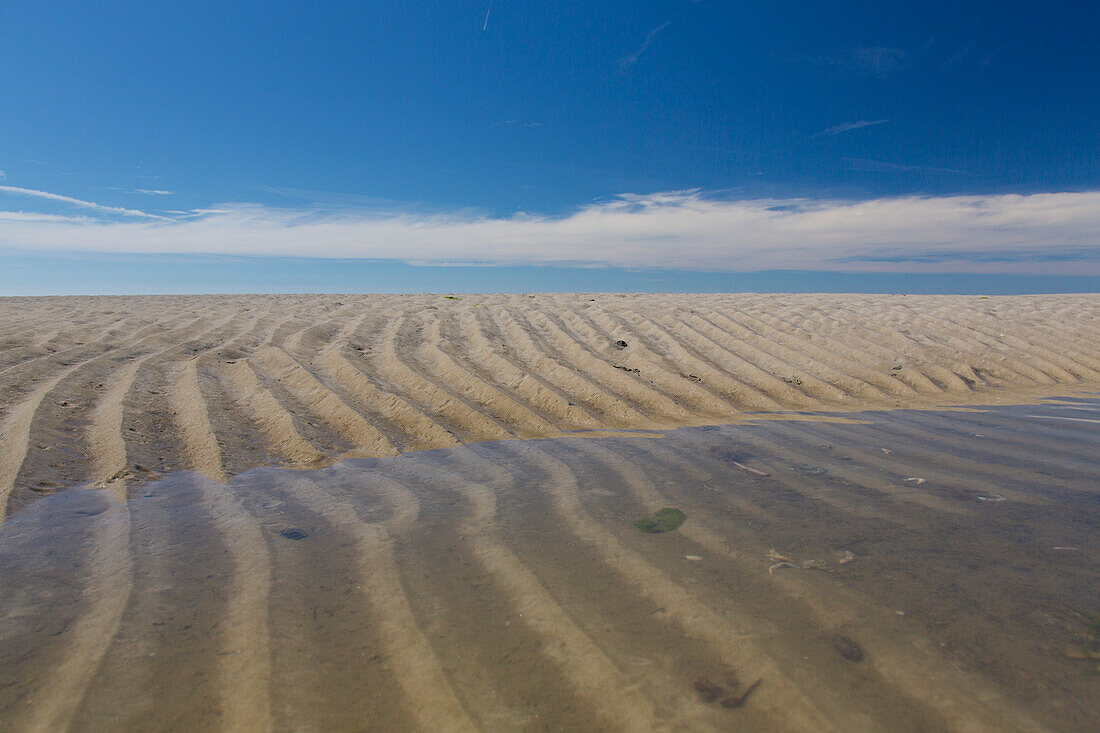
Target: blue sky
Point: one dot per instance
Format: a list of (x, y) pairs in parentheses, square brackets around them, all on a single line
[(679, 136)]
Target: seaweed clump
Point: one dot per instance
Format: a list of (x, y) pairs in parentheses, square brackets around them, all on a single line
[(662, 520)]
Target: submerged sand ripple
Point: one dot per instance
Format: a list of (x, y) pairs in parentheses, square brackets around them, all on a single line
[(503, 585)]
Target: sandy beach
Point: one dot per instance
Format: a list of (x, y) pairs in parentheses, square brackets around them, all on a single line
[(893, 528)]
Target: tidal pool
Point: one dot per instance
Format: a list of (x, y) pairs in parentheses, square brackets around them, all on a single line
[(901, 570)]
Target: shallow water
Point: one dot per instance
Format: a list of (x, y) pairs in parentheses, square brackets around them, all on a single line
[(904, 570)]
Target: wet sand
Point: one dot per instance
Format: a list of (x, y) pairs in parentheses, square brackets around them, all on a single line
[(313, 512), (885, 570), (115, 390)]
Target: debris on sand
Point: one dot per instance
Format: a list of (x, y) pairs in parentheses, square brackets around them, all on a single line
[(736, 701), (293, 533), (847, 648), (708, 691), (750, 469), (916, 479), (620, 344), (662, 520), (730, 696), (780, 561)]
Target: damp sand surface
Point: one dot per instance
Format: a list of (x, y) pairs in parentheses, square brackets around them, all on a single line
[(882, 570), (116, 390)]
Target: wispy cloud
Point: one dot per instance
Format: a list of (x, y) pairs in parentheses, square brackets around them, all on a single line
[(847, 126), (3, 175), (1051, 233), (145, 191), (877, 166), (516, 123), (877, 61), (78, 202), (627, 61)]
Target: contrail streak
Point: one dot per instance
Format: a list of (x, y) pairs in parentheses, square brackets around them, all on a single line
[(78, 202), (486, 23)]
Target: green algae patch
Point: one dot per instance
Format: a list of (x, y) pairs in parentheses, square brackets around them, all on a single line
[(662, 520)]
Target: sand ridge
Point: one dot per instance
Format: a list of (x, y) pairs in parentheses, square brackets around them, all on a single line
[(108, 389)]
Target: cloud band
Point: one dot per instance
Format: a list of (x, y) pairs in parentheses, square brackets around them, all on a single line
[(1046, 233)]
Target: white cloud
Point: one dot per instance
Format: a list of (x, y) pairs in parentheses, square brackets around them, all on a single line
[(76, 202), (845, 127), (3, 175), (146, 191), (627, 61), (1048, 233)]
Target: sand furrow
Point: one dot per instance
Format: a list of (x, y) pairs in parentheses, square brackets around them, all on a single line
[(820, 348), (677, 372), (832, 467), (781, 700), (107, 593), (407, 651), (200, 445), (588, 669), (529, 387), (521, 419), (90, 343), (1046, 452), (601, 402), (991, 341), (882, 345), (670, 373), (392, 367), (270, 417), (788, 469), (104, 435), (749, 367), (605, 370), (15, 433), (958, 703), (786, 358), (1042, 353), (382, 374), (421, 431), (899, 462), (245, 668), (325, 404)]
